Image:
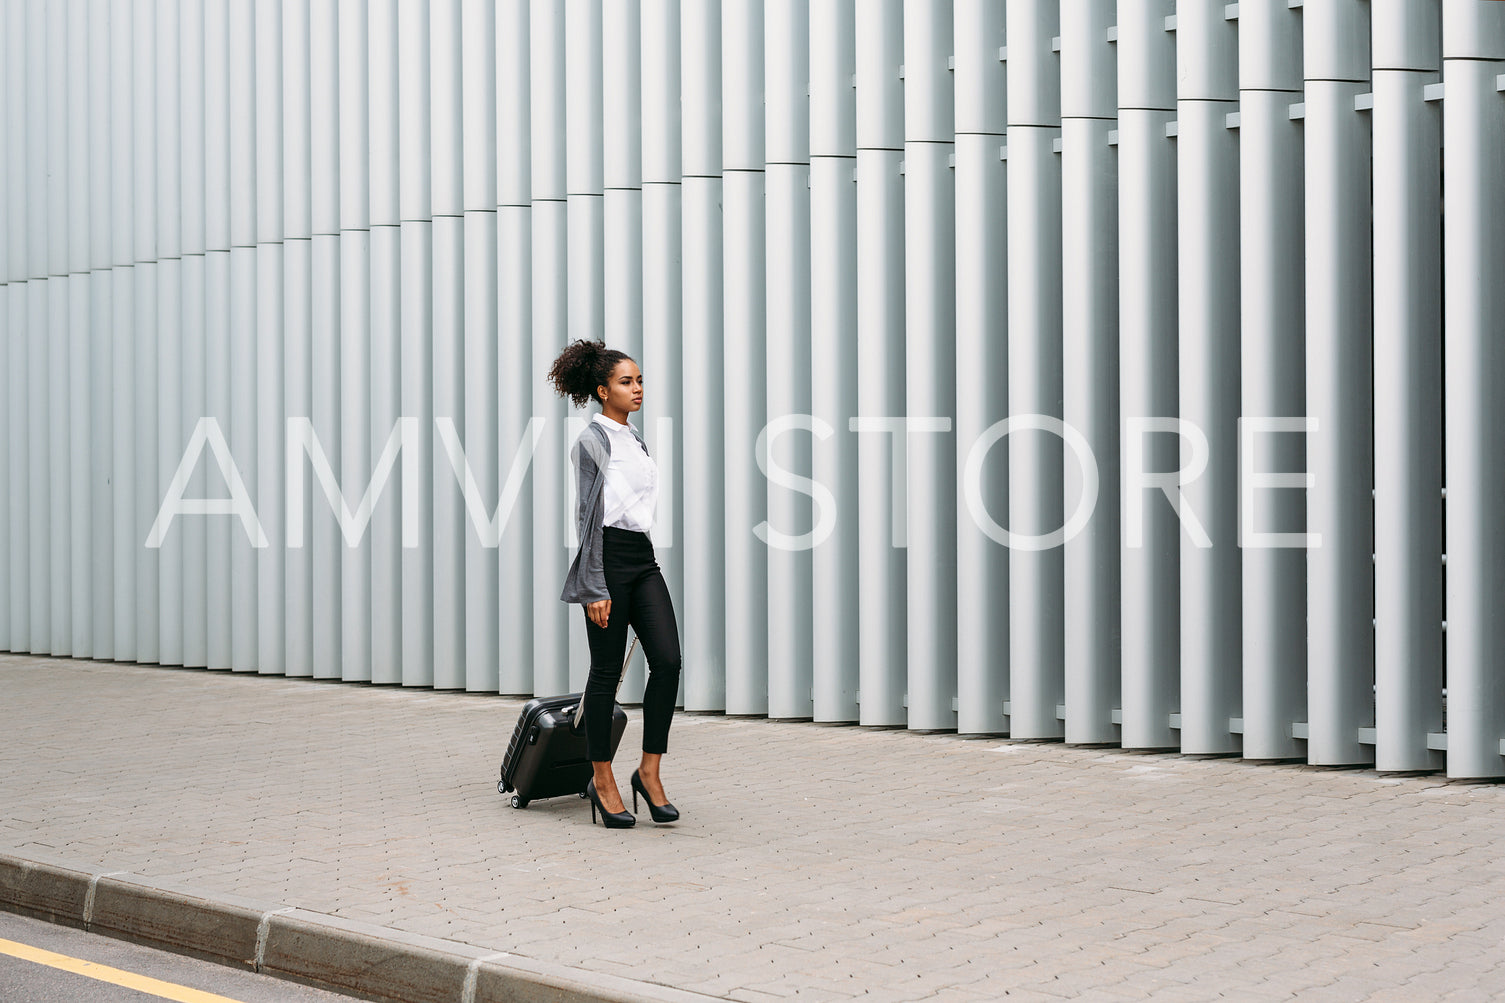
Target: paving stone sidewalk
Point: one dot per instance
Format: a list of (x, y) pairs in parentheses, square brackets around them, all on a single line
[(815, 862)]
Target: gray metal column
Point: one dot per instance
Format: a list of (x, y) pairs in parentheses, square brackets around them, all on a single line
[(1036, 577), (12, 199), (1272, 372), (661, 219), (1090, 370), (415, 210), (877, 420), (270, 489), (167, 435), (1473, 138), (835, 582), (550, 316), (744, 360), (244, 330), (1339, 383), (930, 361), (76, 259), (622, 240), (297, 314), (191, 166), (123, 398), (327, 296), (481, 349), (790, 512), (382, 138), (982, 579), (1148, 384), (447, 206), (585, 272), (705, 597), (101, 309), (356, 442), (1408, 573), (80, 283), (1208, 275), (517, 377)]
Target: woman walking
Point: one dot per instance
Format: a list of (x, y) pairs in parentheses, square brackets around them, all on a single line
[(614, 575)]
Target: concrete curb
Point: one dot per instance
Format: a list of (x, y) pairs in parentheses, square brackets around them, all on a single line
[(375, 962)]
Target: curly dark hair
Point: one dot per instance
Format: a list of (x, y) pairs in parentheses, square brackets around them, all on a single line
[(581, 368)]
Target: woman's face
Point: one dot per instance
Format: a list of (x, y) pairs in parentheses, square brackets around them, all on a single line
[(624, 392)]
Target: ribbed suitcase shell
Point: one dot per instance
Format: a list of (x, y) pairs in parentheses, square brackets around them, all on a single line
[(546, 758)]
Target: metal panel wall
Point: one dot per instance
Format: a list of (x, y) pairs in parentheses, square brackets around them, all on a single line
[(951, 315)]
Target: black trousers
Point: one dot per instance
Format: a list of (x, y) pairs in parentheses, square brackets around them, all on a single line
[(640, 599)]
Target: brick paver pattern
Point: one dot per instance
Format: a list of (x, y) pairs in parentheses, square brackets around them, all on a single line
[(817, 862)]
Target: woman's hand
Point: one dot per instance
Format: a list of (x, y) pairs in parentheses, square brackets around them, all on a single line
[(599, 611)]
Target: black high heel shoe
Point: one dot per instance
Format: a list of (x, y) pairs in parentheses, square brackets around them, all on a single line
[(665, 812), (610, 819)]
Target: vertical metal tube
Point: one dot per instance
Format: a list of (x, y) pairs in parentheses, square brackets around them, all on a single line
[(18, 560), (1090, 370), (745, 354), (144, 342), (982, 637), (244, 299), (1147, 260), (194, 618), (101, 309), (219, 324), (446, 120), (1473, 138), (835, 583), (585, 241), (1207, 180), (1408, 537), (386, 333), (624, 243), (355, 348), (166, 436), (297, 254), (271, 447), (1272, 372), (517, 377), (123, 399), (1340, 383), (55, 438), (702, 420), (417, 255), (790, 512), (662, 225), (80, 432), (11, 197), (479, 85), (1036, 631), (327, 296), (553, 621), (882, 565), (930, 361)]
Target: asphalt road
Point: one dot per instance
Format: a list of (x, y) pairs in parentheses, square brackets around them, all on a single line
[(32, 982)]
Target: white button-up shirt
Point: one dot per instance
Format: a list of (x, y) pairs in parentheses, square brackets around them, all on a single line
[(630, 493)]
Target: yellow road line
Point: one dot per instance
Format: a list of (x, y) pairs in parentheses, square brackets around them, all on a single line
[(114, 976)]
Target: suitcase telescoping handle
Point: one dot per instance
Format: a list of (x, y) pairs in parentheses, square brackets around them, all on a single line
[(577, 712)]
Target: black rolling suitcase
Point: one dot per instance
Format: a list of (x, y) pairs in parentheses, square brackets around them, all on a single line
[(547, 755)]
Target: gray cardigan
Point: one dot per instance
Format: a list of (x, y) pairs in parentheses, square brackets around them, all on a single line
[(586, 582)]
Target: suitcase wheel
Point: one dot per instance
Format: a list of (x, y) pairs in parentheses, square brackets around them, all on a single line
[(584, 796), (518, 802)]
